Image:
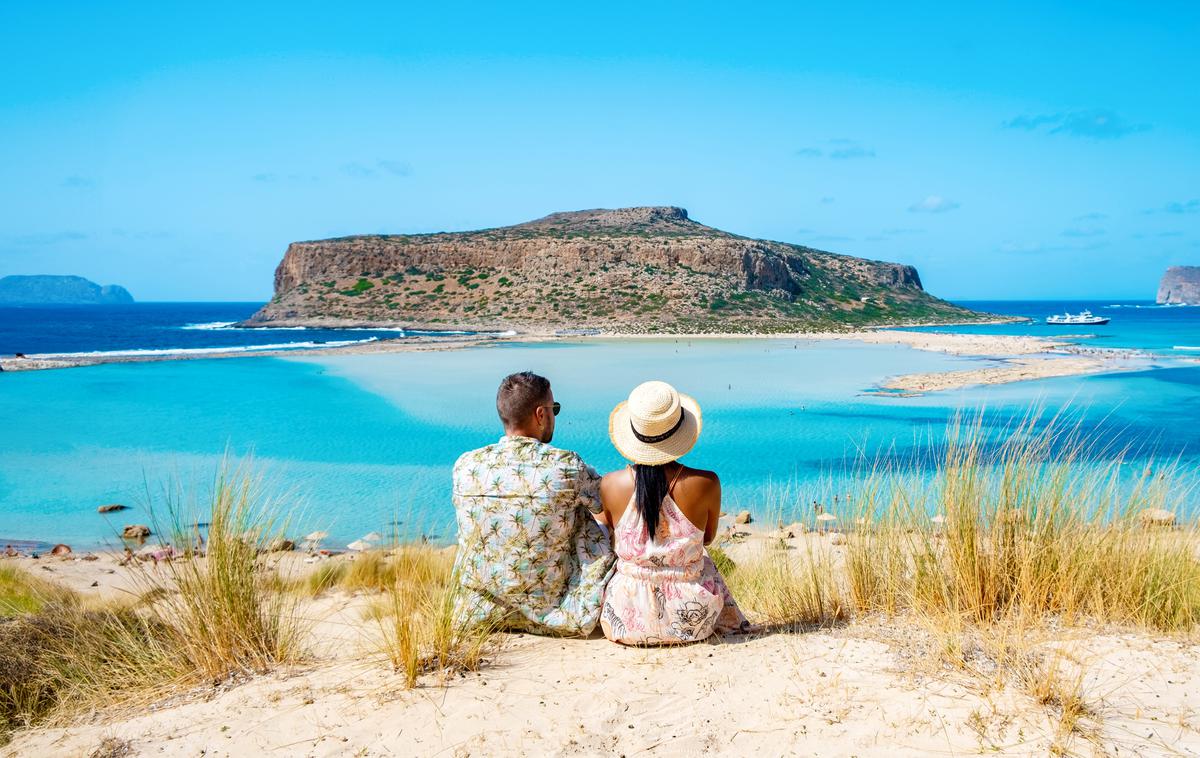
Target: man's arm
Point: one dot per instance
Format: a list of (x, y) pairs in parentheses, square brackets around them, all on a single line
[(587, 489)]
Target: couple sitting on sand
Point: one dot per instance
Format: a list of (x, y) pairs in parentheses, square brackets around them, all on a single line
[(534, 523)]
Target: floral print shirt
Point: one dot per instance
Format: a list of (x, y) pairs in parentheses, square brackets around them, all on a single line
[(530, 555)]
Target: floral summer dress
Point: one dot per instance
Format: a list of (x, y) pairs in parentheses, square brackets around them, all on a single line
[(667, 591)]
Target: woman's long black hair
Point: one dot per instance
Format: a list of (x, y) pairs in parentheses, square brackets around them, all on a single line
[(650, 487)]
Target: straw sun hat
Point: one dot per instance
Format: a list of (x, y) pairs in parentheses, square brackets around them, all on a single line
[(656, 425)]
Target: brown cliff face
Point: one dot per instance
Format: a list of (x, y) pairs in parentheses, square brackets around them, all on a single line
[(630, 269), (1180, 285)]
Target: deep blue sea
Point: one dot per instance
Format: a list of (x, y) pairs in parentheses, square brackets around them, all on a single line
[(356, 443), (148, 328)]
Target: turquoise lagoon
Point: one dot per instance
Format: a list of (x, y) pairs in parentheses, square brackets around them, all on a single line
[(354, 443)]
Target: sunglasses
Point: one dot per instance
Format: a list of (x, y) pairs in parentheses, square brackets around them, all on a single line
[(555, 408)]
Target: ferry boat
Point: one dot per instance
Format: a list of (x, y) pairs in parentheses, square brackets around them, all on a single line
[(1085, 318)]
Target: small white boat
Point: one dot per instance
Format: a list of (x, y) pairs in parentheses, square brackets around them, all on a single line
[(1086, 318)]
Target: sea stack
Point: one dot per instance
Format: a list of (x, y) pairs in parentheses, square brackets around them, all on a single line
[(1180, 286)]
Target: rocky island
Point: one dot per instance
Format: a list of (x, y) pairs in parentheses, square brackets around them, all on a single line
[(59, 290), (638, 270), (1180, 285)]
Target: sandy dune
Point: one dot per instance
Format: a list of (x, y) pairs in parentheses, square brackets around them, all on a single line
[(835, 692), (873, 687)]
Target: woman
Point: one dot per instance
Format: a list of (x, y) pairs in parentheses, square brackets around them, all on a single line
[(666, 589)]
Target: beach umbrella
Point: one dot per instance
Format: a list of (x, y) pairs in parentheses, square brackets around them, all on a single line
[(939, 519), (316, 536), (827, 517), (359, 545), (372, 537)]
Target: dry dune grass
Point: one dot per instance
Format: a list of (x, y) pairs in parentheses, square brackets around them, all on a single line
[(418, 623), (196, 620), (1042, 523), (1041, 528), (64, 659), (1034, 524), (789, 593), (228, 615), (370, 571), (414, 614)]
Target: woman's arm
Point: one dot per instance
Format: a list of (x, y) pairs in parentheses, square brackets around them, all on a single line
[(606, 499), (713, 501)]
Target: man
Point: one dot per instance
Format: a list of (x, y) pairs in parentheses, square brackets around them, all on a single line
[(531, 556)]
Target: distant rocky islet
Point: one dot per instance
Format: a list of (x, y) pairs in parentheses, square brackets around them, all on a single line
[(1180, 285), (44, 289)]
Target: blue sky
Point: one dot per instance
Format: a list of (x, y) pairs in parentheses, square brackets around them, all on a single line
[(1015, 150)]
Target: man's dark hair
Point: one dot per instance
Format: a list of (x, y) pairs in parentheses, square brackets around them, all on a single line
[(519, 395)]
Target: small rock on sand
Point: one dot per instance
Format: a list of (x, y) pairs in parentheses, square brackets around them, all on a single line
[(60, 549), (743, 518), (1156, 517), (135, 532), (112, 508)]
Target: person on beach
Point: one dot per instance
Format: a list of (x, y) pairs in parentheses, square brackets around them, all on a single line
[(666, 589), (532, 555)]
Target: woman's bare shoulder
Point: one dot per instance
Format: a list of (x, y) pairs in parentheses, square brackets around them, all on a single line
[(618, 476), (702, 475), (616, 481)]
